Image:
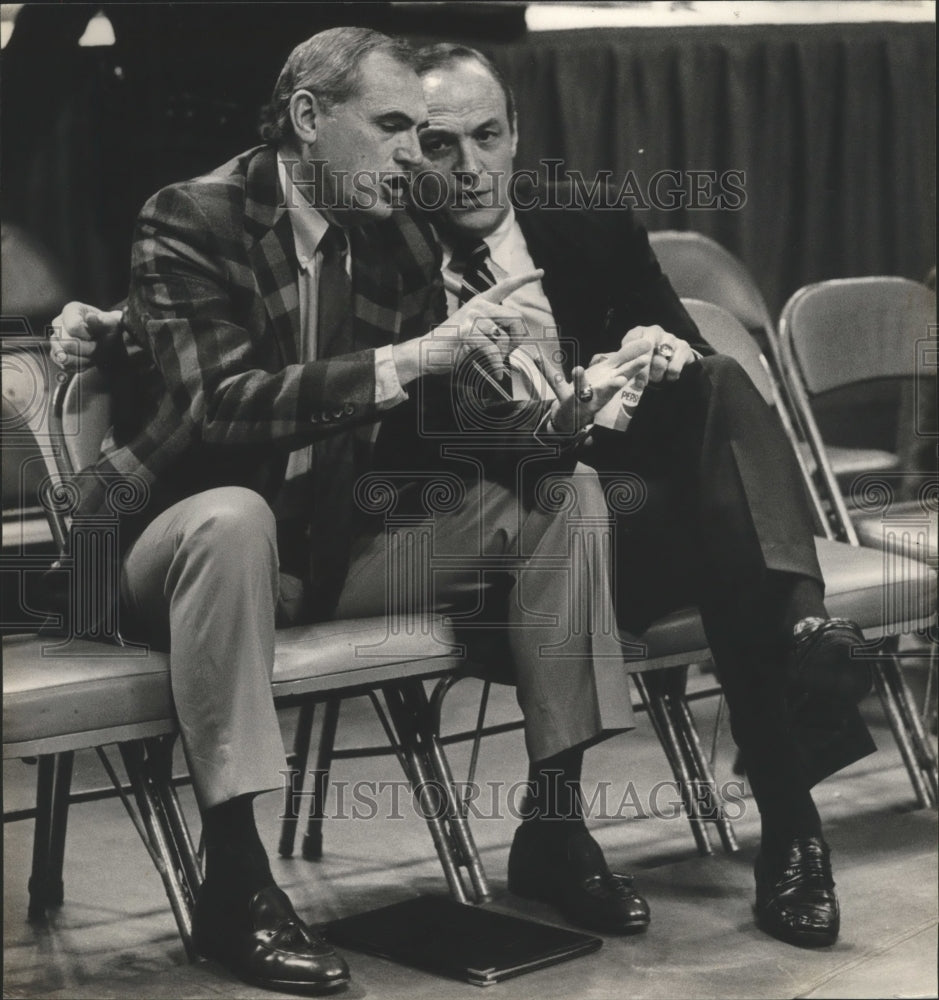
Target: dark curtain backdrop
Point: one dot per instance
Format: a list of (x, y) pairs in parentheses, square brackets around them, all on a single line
[(833, 126)]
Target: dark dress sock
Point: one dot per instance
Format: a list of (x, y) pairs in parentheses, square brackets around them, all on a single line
[(554, 801), (797, 597), (236, 863)]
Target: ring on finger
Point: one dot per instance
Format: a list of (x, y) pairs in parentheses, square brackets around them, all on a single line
[(60, 357), (665, 351), (585, 394)]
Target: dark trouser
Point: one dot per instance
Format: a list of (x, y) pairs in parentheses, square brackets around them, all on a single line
[(724, 521)]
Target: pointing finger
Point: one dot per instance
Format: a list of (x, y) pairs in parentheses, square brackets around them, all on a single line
[(504, 288), (555, 379)]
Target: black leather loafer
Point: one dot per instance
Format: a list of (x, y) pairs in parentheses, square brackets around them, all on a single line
[(822, 663), (795, 895), (266, 944), (573, 875)]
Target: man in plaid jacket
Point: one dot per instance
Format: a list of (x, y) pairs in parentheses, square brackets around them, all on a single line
[(279, 306)]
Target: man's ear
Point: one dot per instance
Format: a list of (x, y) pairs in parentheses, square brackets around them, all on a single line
[(514, 124), (304, 113)]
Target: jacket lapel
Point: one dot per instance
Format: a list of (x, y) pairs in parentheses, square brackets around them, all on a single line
[(575, 281), (376, 288), (271, 253)]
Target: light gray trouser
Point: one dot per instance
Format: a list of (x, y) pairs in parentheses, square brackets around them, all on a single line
[(567, 660)]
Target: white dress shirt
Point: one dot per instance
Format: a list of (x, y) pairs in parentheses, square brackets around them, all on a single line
[(509, 255)]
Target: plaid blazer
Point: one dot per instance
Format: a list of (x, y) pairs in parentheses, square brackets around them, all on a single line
[(210, 391)]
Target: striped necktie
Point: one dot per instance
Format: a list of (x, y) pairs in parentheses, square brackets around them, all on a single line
[(477, 276)]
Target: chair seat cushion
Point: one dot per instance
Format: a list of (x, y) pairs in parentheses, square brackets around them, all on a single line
[(53, 689), (858, 585), (849, 463), (861, 584), (907, 532), (75, 694)]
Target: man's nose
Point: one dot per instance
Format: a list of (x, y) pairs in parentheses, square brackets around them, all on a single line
[(468, 168), (409, 153)]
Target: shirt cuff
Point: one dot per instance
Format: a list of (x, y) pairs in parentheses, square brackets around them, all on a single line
[(546, 435), (388, 389)]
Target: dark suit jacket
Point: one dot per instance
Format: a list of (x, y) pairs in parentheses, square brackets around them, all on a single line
[(601, 279), (210, 391), (601, 276)]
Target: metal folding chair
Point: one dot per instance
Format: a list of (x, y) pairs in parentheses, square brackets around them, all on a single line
[(700, 268), (888, 598), (63, 693), (856, 332)]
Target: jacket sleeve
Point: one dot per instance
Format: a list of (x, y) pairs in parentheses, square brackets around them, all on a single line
[(195, 311), (650, 293)]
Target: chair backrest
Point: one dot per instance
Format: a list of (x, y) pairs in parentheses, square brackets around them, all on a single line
[(28, 383), (851, 330), (727, 335), (700, 268), (81, 416), (67, 419)]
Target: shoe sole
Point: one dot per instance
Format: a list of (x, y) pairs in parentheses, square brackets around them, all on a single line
[(632, 927), (297, 988), (802, 939), (302, 989)]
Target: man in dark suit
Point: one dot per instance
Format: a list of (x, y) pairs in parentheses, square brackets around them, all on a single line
[(279, 308), (725, 524)]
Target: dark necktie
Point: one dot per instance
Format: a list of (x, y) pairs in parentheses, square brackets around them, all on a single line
[(474, 257), (334, 319), (477, 276), (334, 465)]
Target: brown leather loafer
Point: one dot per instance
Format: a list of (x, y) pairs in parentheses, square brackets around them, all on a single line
[(795, 895), (266, 944), (572, 874)]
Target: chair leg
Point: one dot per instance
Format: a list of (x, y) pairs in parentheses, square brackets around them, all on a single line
[(293, 791), (160, 757), (55, 887), (432, 786), (461, 835), (158, 838), (312, 849), (914, 745), (45, 781), (705, 783), (655, 701), (930, 705)]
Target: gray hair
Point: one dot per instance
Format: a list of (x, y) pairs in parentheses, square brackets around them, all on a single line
[(329, 66)]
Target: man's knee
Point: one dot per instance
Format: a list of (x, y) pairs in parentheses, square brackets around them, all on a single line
[(723, 369), (232, 524), (577, 494)]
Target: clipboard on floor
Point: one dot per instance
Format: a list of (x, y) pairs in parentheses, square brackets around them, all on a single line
[(458, 940)]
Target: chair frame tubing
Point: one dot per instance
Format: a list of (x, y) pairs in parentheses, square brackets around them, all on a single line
[(407, 718), (156, 814), (915, 747)]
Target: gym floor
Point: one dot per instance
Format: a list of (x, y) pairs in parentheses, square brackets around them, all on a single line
[(114, 936)]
